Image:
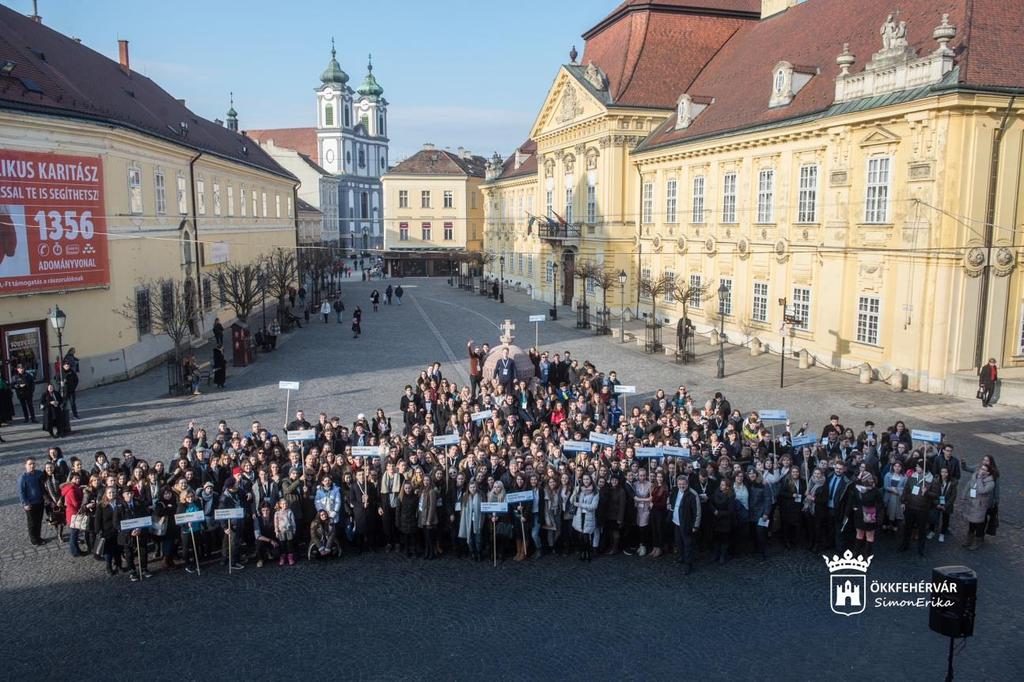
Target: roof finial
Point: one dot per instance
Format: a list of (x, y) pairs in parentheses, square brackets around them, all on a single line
[(332, 47), (573, 54), (231, 97), (369, 62)]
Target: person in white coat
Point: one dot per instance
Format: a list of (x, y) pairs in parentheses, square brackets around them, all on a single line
[(585, 499)]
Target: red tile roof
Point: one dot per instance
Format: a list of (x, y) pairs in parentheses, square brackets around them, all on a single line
[(302, 140), (527, 167), (440, 162), (739, 77), (651, 51), (54, 74)]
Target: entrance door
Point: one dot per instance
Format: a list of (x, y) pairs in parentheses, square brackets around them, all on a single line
[(25, 344), (568, 277)]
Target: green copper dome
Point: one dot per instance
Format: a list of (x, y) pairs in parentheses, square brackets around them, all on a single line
[(370, 86), (231, 111), (333, 75)]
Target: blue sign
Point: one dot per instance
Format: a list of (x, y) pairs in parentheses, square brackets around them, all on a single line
[(801, 441), (575, 446), (773, 415), (670, 451), (926, 436), (524, 496), (602, 438), (646, 453), (450, 439)]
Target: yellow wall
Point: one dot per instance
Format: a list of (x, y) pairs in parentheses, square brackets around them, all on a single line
[(466, 213), (146, 245)]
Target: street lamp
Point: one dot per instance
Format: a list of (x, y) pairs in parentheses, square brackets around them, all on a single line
[(554, 298), (57, 320), (622, 306), (722, 292), (501, 284)]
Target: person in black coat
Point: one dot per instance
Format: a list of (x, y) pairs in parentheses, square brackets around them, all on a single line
[(71, 387), (107, 527), (684, 508), (408, 507), (133, 542), (52, 405), (723, 511), (792, 491), (220, 366), (837, 488), (25, 387), (505, 371)]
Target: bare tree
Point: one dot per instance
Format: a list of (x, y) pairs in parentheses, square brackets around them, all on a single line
[(604, 279), (282, 272), (685, 291), (584, 271), (241, 287), (173, 313), (655, 287)]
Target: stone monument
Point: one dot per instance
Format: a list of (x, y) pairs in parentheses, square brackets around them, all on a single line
[(524, 367)]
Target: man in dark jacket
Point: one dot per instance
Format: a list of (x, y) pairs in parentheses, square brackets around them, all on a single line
[(476, 367), (919, 496), (685, 509), (837, 487), (30, 492), (25, 387), (133, 542), (71, 387), (945, 460), (505, 371)]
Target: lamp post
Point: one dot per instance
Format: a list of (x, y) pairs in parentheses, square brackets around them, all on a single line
[(622, 306), (554, 298), (722, 291), (264, 276), (501, 284), (57, 320)]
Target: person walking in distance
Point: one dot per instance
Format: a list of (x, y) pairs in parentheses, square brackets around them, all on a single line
[(987, 378), (357, 322), (398, 293), (71, 387), (325, 311)]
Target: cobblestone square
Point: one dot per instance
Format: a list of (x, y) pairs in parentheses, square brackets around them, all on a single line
[(382, 616)]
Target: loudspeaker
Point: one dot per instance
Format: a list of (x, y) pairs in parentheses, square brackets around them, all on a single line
[(956, 619)]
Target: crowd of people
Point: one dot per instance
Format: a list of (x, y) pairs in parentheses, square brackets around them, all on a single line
[(549, 465)]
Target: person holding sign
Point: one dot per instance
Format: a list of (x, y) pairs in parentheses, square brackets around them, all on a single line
[(918, 499), (134, 542), (229, 545), (189, 544)]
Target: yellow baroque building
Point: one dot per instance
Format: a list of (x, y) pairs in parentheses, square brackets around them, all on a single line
[(846, 167), (165, 194)]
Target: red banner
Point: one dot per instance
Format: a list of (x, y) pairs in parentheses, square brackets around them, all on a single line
[(53, 228)]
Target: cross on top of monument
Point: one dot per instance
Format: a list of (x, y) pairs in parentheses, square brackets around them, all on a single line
[(507, 327)]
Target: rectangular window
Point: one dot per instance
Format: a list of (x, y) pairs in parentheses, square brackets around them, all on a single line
[(167, 300), (449, 199), (216, 198), (255, 206), (550, 203), (766, 196), (529, 265), (802, 307), (697, 212), (425, 198), (449, 231), (645, 275), (568, 204), (725, 303), (403, 232), (426, 231), (143, 322), (182, 197), (759, 313), (807, 206), (207, 294), (521, 271), (264, 202), (591, 203), (549, 272), (201, 197), (670, 296), (729, 198), (277, 205), (242, 199), (867, 320), (876, 204), (231, 200), (403, 198), (161, 193), (135, 190), (696, 299), (291, 208), (670, 201), (648, 203)]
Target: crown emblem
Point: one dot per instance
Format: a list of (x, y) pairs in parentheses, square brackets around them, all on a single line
[(847, 562)]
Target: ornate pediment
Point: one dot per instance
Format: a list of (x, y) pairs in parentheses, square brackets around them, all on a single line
[(567, 102)]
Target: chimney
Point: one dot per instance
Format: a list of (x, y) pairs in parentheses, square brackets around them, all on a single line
[(35, 13), (428, 146), (122, 50), (180, 101), (459, 152)]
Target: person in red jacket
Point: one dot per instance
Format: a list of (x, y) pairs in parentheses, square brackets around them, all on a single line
[(987, 378), (73, 494)]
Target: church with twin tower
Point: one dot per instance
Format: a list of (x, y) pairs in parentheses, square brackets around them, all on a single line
[(352, 146)]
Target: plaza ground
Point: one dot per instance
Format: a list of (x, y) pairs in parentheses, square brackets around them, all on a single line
[(621, 617)]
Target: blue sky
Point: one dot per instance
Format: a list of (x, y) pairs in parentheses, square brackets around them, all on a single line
[(456, 72)]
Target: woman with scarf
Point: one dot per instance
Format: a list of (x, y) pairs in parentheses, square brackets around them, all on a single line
[(816, 511), (585, 499), (893, 483), (164, 530), (471, 519), (553, 512), (792, 491), (642, 501)]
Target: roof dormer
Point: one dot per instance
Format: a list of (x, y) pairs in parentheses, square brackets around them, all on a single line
[(688, 108), (787, 80)]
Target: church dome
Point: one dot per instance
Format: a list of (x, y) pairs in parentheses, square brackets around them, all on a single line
[(370, 87), (333, 75)]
